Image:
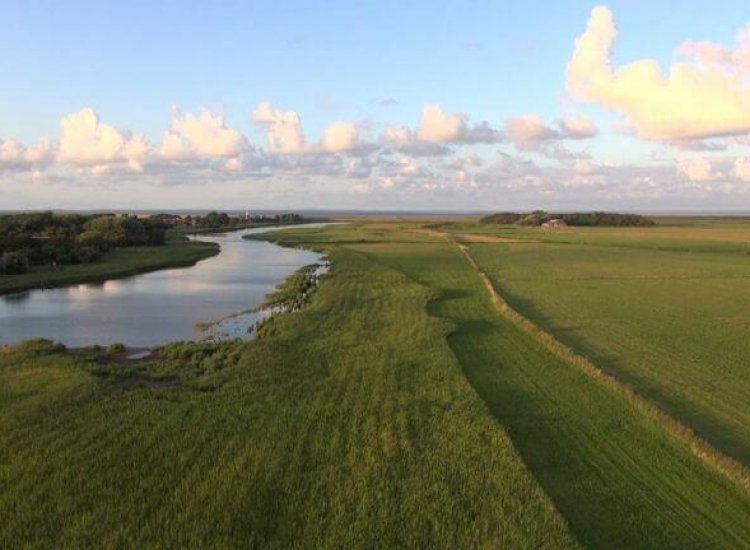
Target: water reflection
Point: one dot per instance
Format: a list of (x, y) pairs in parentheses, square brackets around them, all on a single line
[(157, 307)]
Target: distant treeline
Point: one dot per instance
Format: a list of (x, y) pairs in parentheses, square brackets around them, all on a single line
[(216, 220), (538, 217), (45, 238)]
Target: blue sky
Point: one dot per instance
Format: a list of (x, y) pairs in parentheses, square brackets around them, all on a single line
[(370, 65)]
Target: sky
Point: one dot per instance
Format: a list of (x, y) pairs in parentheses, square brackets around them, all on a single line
[(470, 105)]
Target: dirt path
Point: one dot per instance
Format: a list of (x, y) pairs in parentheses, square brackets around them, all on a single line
[(474, 238)]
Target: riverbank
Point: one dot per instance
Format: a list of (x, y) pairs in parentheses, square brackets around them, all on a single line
[(239, 226), (179, 251)]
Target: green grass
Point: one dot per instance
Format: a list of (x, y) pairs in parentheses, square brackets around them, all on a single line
[(670, 235), (121, 262), (672, 324), (617, 476), (353, 426), (399, 408)]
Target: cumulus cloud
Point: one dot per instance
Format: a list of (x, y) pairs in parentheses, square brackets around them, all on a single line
[(726, 170), (531, 133), (437, 126), (436, 132), (14, 154), (340, 136), (705, 97), (405, 141), (397, 136), (203, 135), (708, 53), (283, 128), (86, 140), (528, 128), (698, 169), (577, 127), (741, 169)]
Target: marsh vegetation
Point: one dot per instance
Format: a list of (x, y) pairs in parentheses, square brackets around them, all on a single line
[(399, 406)]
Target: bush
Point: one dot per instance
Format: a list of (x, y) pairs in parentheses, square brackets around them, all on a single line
[(117, 347), (535, 218), (502, 218), (14, 263), (38, 346)]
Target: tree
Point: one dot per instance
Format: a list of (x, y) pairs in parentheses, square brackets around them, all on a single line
[(14, 263)]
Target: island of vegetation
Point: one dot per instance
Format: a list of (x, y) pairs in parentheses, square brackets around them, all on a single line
[(221, 221), (581, 219)]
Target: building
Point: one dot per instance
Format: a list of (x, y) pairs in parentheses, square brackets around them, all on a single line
[(554, 224)]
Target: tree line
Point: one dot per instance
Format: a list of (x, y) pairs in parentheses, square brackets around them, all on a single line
[(216, 220), (45, 238), (581, 219)]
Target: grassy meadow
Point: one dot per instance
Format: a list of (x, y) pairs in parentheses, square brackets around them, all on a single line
[(352, 425), (400, 407), (671, 321)]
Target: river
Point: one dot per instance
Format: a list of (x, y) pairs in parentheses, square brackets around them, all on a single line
[(162, 306)]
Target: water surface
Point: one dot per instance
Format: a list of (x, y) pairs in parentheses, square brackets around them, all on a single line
[(161, 306)]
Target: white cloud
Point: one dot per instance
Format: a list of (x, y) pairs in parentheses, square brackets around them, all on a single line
[(741, 169), (405, 141), (203, 135), (437, 126), (86, 140), (283, 128), (397, 136), (577, 127), (528, 128), (706, 97), (14, 154), (698, 169), (529, 132), (708, 53), (340, 136)]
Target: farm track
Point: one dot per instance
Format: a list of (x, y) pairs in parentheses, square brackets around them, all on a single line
[(709, 455)]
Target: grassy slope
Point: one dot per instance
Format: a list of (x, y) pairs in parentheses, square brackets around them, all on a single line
[(673, 324), (122, 262), (618, 478), (352, 426)]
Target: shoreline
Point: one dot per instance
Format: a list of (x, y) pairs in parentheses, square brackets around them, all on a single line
[(63, 277), (36, 279)]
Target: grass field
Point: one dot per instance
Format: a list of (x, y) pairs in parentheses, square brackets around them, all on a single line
[(352, 426), (399, 408), (121, 262), (673, 323)]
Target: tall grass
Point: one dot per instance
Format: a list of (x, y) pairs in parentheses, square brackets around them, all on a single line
[(353, 426), (618, 476), (672, 325), (725, 465)]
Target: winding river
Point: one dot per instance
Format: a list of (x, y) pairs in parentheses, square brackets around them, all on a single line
[(161, 306)]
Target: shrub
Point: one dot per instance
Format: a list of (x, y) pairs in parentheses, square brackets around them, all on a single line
[(13, 263), (38, 346), (117, 347)]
